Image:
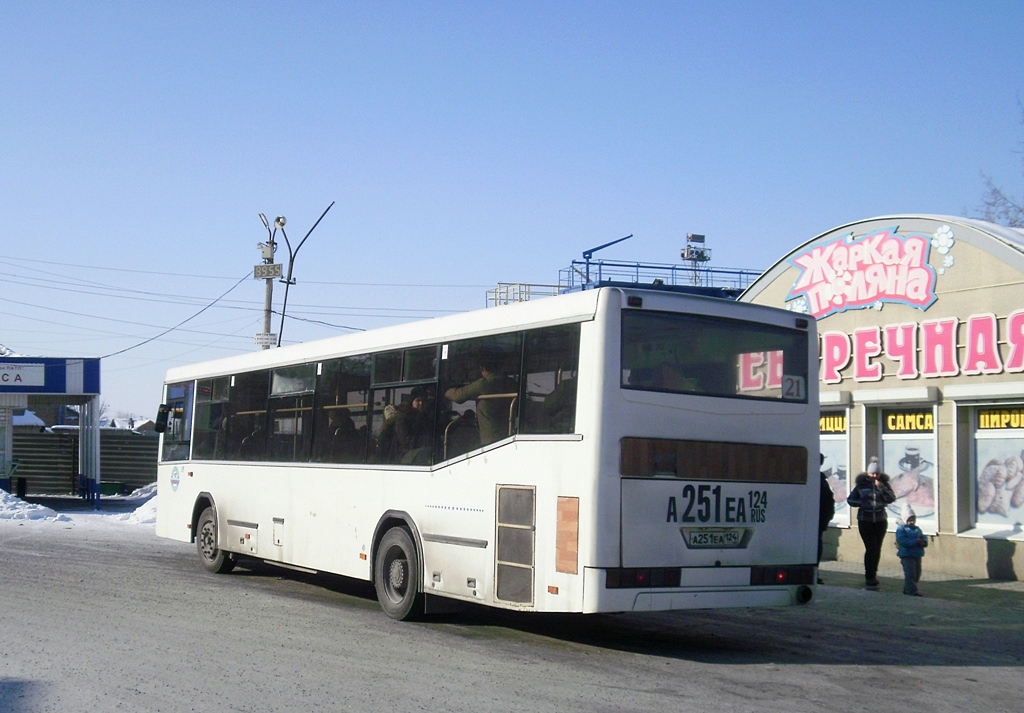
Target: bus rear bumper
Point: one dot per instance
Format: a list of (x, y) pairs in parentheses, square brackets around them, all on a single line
[(598, 598)]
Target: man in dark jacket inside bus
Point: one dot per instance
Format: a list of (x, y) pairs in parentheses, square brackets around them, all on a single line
[(871, 494)]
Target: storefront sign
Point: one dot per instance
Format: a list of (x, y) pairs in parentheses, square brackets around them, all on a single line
[(1000, 419), (856, 273), (22, 375), (831, 423), (927, 349), (911, 421)]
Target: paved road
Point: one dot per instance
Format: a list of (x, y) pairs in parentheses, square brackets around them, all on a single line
[(109, 617)]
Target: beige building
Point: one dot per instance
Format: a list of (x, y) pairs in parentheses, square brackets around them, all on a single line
[(921, 327)]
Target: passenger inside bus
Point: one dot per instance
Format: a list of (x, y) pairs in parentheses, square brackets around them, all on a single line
[(342, 442), (495, 395), (407, 432), (461, 435), (559, 407)]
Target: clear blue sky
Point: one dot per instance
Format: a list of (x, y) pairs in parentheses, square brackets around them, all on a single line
[(464, 144)]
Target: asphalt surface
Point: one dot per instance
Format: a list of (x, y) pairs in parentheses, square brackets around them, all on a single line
[(106, 616)]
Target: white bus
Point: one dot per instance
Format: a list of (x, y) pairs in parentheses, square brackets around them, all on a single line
[(602, 451)]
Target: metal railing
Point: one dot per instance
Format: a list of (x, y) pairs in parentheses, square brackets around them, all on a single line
[(511, 292), (582, 275)]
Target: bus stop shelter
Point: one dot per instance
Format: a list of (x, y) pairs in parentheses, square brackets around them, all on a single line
[(33, 381)]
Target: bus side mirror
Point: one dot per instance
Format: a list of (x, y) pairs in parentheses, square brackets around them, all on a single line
[(161, 418)]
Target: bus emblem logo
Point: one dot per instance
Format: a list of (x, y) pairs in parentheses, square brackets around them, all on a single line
[(175, 479)]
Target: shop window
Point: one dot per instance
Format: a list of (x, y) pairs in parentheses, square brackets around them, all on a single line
[(835, 447), (999, 469), (908, 457)]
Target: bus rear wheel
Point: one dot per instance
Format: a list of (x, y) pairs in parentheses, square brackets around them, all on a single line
[(396, 575), (213, 558)]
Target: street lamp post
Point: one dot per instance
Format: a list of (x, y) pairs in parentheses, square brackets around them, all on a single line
[(289, 281), (268, 271)]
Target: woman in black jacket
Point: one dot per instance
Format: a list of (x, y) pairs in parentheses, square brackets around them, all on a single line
[(871, 494)]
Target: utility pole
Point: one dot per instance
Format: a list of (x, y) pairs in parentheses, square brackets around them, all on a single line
[(269, 271)]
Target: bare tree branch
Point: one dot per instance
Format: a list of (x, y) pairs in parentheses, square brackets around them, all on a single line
[(996, 206)]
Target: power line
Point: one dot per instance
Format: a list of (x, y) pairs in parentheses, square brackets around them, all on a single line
[(164, 298), (93, 316), (80, 267), (167, 331)]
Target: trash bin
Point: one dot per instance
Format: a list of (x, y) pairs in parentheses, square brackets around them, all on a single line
[(22, 487)]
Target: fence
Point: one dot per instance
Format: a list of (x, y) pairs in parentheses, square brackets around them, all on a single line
[(49, 461)]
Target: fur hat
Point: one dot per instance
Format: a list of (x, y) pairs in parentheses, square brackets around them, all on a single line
[(873, 465), (907, 512)]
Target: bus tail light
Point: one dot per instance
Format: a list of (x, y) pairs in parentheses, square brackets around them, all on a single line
[(642, 577), (780, 575)]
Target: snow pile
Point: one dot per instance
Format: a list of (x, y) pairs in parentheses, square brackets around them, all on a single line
[(28, 418), (145, 514), (145, 492), (12, 508)]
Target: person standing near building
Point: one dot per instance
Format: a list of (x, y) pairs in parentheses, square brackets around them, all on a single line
[(871, 494), (826, 511), (911, 542)]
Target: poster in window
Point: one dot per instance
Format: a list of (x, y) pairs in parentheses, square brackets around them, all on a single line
[(835, 466), (908, 457), (999, 469)]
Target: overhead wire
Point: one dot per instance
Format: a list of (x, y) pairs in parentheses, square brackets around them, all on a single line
[(164, 298), (223, 277), (187, 319), (300, 311)]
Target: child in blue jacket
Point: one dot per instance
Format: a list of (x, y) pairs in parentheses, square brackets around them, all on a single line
[(911, 543)]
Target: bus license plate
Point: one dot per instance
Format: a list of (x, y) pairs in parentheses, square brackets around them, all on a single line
[(713, 537)]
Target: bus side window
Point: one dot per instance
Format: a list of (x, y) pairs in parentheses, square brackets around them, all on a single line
[(291, 413), (179, 422), (403, 424), (551, 362), (341, 415), (247, 414), (210, 419), (479, 375)]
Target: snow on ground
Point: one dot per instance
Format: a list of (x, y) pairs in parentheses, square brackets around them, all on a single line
[(14, 509)]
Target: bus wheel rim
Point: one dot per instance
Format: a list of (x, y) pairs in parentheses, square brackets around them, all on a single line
[(208, 541), (397, 578)]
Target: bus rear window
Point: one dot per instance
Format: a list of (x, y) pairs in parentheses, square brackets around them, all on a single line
[(713, 356)]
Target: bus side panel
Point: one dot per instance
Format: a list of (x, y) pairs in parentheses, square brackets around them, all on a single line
[(176, 495)]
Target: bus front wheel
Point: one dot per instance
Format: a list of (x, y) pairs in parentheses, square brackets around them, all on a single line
[(396, 575), (213, 558)]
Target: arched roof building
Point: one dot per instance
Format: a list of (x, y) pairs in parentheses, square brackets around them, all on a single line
[(921, 324)]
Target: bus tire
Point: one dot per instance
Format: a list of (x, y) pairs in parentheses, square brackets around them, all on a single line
[(396, 575), (213, 558)]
